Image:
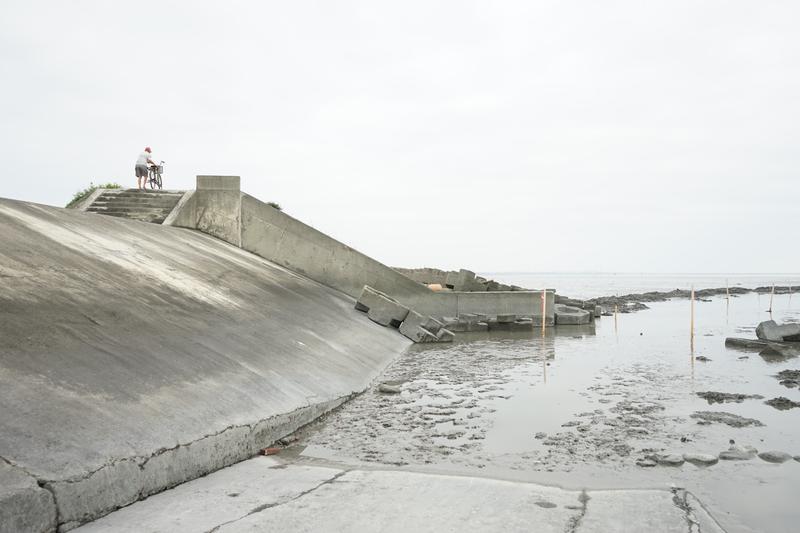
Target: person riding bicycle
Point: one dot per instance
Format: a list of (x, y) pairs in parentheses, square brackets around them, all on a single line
[(142, 163)]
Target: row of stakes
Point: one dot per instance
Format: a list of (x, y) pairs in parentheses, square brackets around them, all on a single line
[(692, 298)]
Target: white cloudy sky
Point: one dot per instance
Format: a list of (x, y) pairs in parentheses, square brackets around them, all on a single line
[(520, 135)]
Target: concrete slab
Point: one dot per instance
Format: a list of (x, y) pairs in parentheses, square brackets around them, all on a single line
[(225, 496), (263, 495)]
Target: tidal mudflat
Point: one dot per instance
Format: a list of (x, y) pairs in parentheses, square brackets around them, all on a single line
[(625, 403)]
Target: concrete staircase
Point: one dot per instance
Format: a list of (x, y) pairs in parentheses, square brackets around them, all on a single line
[(147, 206)]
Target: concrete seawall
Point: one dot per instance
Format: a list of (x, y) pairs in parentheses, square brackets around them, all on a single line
[(134, 357), (219, 208)]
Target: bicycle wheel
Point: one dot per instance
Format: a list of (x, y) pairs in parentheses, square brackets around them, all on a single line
[(158, 181)]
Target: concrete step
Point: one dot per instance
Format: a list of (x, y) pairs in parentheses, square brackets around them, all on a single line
[(141, 195), (148, 206), (124, 211), (154, 218), (168, 202)]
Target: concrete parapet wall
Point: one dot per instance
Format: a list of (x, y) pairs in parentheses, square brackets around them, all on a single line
[(520, 303), (259, 228)]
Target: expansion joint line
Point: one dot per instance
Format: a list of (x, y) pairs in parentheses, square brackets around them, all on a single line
[(680, 497), (575, 521), (278, 504)]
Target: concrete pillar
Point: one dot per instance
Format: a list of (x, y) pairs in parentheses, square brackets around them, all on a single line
[(219, 183)]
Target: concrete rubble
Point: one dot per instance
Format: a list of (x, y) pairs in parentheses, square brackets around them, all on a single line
[(572, 316), (772, 331), (386, 311)]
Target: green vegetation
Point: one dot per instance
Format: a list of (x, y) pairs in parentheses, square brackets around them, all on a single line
[(80, 195), (275, 205)]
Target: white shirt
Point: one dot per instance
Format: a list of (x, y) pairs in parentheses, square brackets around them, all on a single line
[(143, 157)]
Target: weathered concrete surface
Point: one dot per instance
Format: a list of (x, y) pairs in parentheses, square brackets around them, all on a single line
[(381, 308), (772, 331), (24, 506), (571, 316), (134, 356), (265, 495)]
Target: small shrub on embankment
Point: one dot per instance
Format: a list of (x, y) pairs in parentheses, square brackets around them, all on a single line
[(80, 195)]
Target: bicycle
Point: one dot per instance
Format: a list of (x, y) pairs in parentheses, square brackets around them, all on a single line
[(154, 175)]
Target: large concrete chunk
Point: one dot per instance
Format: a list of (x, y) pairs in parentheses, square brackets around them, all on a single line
[(414, 319), (571, 316), (417, 333), (381, 308), (445, 335), (24, 506), (772, 331)]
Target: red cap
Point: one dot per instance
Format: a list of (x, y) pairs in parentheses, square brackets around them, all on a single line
[(147, 149)]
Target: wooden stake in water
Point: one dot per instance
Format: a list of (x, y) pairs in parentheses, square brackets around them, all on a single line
[(771, 297), (691, 326), (616, 309), (727, 291), (544, 310)]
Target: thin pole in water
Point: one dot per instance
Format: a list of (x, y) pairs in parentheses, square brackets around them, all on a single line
[(771, 297), (691, 326), (544, 310)]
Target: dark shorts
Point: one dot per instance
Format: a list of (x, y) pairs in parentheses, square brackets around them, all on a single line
[(141, 171)]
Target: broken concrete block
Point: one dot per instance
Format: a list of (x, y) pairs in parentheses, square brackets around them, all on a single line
[(415, 319), (464, 280), (472, 318), (417, 333), (598, 311), (505, 319), (445, 335), (571, 316), (772, 331), (382, 308)]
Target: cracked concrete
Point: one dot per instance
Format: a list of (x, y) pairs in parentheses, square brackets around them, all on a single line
[(135, 357), (269, 494)]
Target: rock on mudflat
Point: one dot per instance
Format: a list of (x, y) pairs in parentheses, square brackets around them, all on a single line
[(702, 459), (646, 463), (389, 389), (672, 459), (738, 453), (735, 421), (783, 403), (775, 456), (722, 397)]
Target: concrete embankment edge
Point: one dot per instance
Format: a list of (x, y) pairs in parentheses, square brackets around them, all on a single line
[(128, 480), (134, 357)]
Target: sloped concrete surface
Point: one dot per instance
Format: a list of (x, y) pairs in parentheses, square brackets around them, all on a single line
[(264, 494), (134, 356)]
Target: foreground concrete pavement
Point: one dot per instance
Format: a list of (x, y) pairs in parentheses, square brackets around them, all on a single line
[(263, 494)]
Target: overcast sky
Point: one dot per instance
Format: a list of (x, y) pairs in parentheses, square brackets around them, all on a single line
[(496, 136)]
